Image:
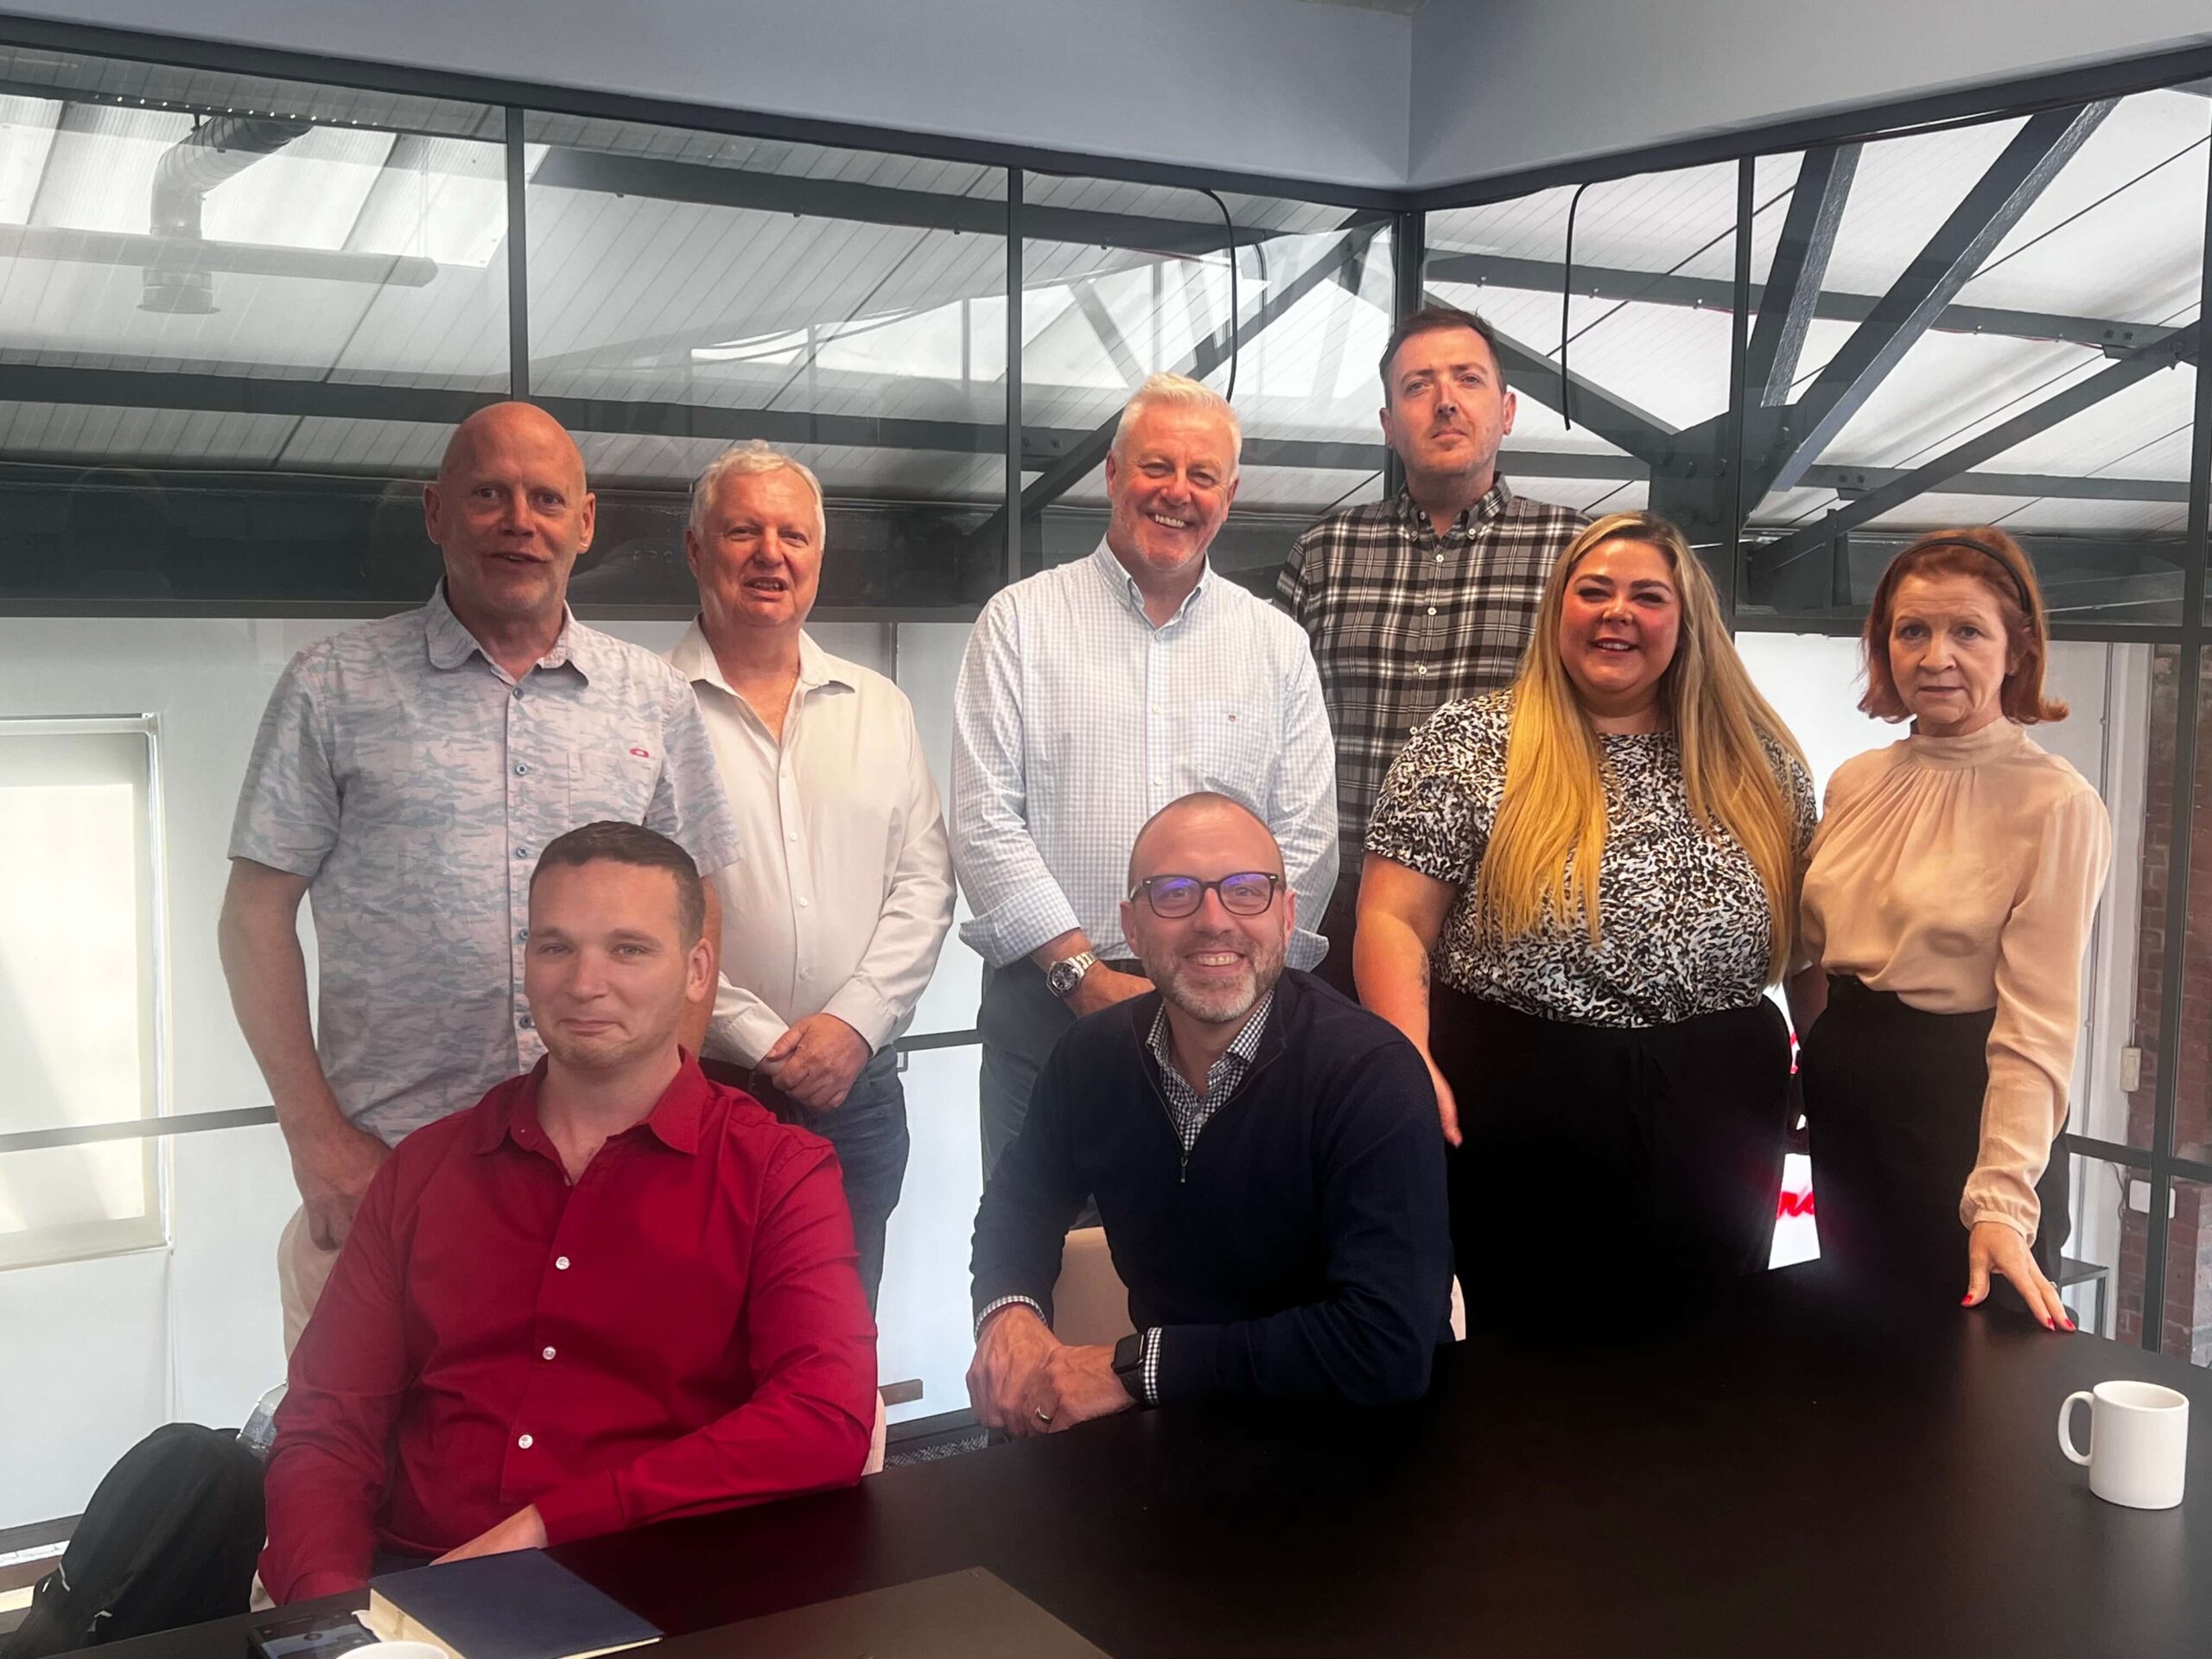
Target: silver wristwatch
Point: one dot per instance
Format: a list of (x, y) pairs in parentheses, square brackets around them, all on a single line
[(1064, 975)]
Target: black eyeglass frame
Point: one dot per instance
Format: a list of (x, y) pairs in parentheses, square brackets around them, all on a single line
[(1274, 886)]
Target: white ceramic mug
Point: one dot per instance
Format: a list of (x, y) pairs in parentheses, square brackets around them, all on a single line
[(2139, 1442)]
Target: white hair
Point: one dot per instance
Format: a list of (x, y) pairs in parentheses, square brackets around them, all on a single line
[(1181, 391), (748, 460)]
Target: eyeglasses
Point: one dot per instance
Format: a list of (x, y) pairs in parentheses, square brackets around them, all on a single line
[(1248, 892)]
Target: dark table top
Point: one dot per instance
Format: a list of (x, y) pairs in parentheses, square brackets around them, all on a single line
[(1788, 1477)]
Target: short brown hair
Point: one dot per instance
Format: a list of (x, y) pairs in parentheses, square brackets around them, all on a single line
[(1435, 318), (635, 845), (1995, 559)]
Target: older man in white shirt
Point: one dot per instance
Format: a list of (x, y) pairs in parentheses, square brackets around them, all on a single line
[(833, 917), (1091, 696)]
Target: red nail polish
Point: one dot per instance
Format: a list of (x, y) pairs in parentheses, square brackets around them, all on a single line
[(1966, 1301), (2047, 1324)]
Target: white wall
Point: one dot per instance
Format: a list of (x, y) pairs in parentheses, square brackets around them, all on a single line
[(1503, 85), (99, 1352), (1276, 86)]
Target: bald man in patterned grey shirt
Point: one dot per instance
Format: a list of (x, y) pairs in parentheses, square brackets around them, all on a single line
[(405, 775)]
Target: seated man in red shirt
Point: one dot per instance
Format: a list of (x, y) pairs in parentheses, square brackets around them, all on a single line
[(609, 1293)]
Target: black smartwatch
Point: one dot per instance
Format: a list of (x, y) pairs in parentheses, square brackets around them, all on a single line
[(1128, 1365)]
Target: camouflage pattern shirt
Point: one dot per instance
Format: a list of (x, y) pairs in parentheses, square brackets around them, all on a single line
[(412, 782)]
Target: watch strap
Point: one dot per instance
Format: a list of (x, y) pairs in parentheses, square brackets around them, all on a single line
[(1064, 975)]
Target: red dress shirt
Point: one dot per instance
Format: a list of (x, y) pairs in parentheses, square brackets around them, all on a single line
[(681, 1330)]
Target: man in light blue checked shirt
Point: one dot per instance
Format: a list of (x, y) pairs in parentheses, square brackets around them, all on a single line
[(1094, 694), (406, 775)]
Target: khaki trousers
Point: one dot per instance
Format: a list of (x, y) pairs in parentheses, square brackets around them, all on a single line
[(303, 1269)]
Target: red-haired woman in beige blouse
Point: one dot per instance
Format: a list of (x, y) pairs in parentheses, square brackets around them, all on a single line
[(1949, 898)]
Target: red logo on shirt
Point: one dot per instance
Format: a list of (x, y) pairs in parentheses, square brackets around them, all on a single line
[(642, 754)]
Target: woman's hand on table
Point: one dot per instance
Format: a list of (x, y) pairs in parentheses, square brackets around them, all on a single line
[(1994, 1247)]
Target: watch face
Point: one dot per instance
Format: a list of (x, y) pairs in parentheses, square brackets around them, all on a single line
[(1061, 979)]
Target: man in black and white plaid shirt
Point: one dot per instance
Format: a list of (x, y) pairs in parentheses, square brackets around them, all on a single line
[(1413, 602)]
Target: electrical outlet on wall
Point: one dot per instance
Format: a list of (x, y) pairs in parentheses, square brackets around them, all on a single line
[(2130, 1070), (2138, 1198)]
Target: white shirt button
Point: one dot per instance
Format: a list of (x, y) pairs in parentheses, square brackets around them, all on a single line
[(546, 1354), (526, 1442), (802, 904), (790, 834), (560, 1262), (1431, 610), (1439, 558), (1413, 731), (1421, 669)]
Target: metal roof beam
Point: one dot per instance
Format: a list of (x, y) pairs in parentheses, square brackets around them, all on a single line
[(875, 204), (1857, 480), (1533, 374), (2038, 151), (1107, 331), (1957, 462), (1787, 305), (273, 392), (1718, 293)]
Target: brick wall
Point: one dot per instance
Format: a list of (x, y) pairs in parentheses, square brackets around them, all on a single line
[(2188, 1321)]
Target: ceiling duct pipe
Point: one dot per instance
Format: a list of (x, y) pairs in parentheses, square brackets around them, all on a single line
[(216, 150)]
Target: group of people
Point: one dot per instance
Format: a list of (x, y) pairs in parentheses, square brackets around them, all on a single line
[(1327, 945)]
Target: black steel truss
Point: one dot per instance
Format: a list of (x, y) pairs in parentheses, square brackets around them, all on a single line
[(1533, 374), (1790, 442), (1792, 295), (1950, 466), (871, 204), (1718, 293)]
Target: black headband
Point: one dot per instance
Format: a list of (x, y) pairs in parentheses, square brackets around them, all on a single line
[(2019, 581)]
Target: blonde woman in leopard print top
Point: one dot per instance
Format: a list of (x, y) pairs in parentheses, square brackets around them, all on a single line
[(1577, 891)]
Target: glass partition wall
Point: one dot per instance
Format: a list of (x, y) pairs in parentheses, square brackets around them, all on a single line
[(240, 311)]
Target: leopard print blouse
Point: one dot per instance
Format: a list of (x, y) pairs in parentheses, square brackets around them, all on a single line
[(1683, 919)]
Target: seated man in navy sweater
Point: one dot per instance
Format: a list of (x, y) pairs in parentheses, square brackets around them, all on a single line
[(1264, 1153)]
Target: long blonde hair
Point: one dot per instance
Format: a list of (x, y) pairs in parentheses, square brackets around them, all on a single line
[(1543, 861)]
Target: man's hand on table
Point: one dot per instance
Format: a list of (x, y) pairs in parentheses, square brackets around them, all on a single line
[(1026, 1381), (524, 1529), (816, 1061), (333, 1167)]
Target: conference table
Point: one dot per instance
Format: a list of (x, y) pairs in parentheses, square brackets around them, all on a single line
[(1790, 1473)]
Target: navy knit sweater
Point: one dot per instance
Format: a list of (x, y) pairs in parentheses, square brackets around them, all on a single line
[(1301, 1250)]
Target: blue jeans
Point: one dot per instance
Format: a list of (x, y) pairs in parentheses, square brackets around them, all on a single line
[(869, 1133)]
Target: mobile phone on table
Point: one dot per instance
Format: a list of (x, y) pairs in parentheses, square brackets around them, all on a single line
[(309, 1635)]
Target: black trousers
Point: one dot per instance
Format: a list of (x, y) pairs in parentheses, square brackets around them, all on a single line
[(1608, 1178), (1338, 923), (1893, 1102)]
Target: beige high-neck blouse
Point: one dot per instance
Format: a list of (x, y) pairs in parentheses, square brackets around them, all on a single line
[(1961, 874)]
